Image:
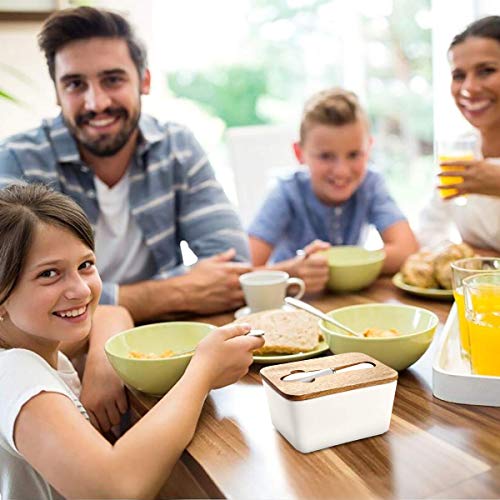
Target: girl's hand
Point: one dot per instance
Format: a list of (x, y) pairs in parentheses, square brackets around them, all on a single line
[(103, 394), (479, 177), (224, 356)]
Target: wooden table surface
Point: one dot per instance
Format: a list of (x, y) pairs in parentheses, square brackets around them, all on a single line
[(433, 449)]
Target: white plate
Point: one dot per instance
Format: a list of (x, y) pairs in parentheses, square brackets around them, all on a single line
[(245, 311), (272, 359), (430, 293)]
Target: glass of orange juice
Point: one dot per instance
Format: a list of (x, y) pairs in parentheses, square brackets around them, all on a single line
[(455, 149), (482, 313), (460, 270)]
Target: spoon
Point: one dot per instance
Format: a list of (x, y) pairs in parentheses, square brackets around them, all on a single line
[(251, 333), (312, 376), (255, 333), (320, 314)]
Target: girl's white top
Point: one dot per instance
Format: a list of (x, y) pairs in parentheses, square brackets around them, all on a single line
[(23, 375)]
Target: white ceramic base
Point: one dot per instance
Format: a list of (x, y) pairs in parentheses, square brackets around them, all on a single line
[(318, 423), (452, 379)]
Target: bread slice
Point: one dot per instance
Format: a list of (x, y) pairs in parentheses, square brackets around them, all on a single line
[(287, 332)]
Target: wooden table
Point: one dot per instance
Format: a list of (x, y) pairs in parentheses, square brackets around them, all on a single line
[(433, 449)]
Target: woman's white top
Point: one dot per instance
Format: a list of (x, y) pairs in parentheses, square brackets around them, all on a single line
[(476, 217), (23, 375)]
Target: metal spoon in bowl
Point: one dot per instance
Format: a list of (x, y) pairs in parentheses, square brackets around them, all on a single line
[(320, 314), (251, 333)]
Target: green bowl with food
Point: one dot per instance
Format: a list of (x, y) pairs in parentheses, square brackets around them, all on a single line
[(398, 335), (152, 358)]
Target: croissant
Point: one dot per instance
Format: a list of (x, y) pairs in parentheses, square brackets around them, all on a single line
[(427, 269), (418, 270)]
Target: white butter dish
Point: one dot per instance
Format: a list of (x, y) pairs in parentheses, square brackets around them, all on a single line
[(336, 407)]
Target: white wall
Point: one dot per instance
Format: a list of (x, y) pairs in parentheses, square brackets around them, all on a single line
[(19, 50), (447, 119)]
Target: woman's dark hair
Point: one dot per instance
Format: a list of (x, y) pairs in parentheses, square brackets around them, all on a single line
[(81, 23), (22, 208), (486, 27)]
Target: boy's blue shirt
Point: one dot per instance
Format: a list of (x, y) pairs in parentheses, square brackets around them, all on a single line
[(292, 216)]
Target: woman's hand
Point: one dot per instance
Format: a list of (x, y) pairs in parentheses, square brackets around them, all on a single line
[(224, 356), (479, 177)]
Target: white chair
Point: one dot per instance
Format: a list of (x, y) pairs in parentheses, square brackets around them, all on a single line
[(257, 155)]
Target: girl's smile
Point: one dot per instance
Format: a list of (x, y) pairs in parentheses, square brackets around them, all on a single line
[(60, 285)]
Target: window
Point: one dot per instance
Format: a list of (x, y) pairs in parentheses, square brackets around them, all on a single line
[(255, 62)]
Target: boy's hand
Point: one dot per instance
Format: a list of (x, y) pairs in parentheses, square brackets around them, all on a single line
[(312, 267), (316, 246), (224, 356)]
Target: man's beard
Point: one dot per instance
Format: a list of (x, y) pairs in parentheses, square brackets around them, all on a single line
[(105, 145)]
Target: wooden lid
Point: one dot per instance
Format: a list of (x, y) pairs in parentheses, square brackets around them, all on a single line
[(328, 384)]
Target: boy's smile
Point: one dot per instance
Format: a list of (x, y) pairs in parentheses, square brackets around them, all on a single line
[(337, 158)]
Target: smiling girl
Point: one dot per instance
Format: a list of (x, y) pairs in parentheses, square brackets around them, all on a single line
[(49, 291)]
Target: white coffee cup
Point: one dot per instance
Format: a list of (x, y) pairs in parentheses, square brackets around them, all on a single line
[(267, 289)]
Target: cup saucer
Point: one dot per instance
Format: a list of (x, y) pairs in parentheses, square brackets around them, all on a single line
[(242, 311), (245, 311)]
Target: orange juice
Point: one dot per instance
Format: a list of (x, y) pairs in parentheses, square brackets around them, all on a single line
[(485, 344), (483, 323), (458, 293), (485, 299), (452, 180)]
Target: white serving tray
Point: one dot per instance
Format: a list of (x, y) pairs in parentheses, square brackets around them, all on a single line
[(452, 379)]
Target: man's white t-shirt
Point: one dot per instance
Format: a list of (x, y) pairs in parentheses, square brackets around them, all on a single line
[(23, 375), (121, 253)]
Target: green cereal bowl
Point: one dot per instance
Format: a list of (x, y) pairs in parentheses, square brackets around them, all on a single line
[(415, 324), (155, 376), (353, 268)]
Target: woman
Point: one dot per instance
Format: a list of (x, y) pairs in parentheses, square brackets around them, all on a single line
[(474, 57)]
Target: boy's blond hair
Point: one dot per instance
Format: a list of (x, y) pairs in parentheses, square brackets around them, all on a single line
[(334, 106)]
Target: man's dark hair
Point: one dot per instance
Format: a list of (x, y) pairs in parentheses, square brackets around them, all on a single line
[(81, 23), (486, 27)]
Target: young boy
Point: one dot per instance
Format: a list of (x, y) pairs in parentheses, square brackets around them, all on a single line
[(331, 203)]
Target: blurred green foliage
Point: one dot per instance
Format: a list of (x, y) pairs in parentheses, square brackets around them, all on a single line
[(231, 93), (299, 46), (279, 69), (16, 75)]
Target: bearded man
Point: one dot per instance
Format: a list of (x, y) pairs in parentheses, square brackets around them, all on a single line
[(145, 186)]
